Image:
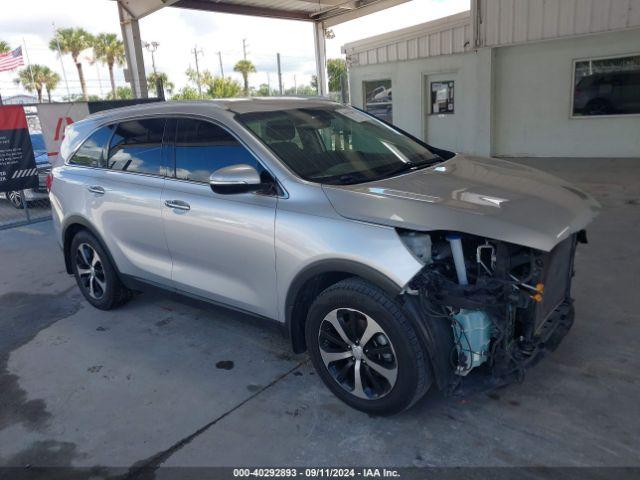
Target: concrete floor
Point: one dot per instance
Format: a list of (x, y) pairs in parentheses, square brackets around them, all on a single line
[(143, 385)]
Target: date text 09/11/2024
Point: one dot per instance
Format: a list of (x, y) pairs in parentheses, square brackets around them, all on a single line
[(316, 472)]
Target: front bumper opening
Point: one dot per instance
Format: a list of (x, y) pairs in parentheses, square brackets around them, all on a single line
[(515, 307)]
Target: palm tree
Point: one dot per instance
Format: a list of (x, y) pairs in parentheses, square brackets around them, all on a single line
[(73, 41), (108, 49), (36, 77), (4, 47), (245, 67), (51, 80), (152, 81)]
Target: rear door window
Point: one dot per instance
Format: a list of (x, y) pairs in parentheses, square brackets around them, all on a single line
[(91, 152), (202, 147), (136, 146)]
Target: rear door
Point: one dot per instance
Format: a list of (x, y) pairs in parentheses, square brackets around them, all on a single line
[(124, 199), (222, 246)]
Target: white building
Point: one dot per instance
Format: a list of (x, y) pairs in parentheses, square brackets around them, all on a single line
[(541, 78)]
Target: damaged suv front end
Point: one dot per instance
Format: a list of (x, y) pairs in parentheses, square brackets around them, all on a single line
[(497, 242), (506, 304)]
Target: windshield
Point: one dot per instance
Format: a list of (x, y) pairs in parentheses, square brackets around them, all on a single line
[(337, 144)]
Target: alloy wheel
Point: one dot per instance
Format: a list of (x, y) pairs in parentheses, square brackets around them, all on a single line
[(91, 271), (357, 353)]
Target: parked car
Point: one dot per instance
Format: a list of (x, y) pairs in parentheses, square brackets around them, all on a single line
[(18, 198), (397, 265)]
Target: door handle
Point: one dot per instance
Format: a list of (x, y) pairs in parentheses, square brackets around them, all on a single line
[(97, 189), (177, 204)]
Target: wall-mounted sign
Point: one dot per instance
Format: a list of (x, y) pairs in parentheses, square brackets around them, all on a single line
[(378, 99), (17, 164), (442, 97)]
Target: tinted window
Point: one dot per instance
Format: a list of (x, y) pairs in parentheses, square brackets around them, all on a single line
[(91, 153), (136, 147), (608, 86), (202, 147)]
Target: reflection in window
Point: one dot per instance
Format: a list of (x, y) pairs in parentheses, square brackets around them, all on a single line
[(202, 147), (609, 86), (378, 99), (442, 97), (90, 154), (136, 147)]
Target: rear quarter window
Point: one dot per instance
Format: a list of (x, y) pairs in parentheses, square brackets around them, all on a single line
[(91, 152)]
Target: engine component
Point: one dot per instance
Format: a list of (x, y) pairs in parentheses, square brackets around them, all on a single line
[(458, 257), (418, 243), (480, 258), (472, 334)]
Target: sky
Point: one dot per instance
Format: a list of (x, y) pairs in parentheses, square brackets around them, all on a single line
[(179, 31)]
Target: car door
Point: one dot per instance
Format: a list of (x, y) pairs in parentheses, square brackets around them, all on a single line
[(222, 246), (124, 199)]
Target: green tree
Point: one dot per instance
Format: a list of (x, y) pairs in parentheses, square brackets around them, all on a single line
[(303, 90), (73, 41), (245, 67), (122, 93), (264, 91), (51, 81), (4, 47), (152, 82), (215, 87), (336, 68), (223, 87), (109, 50), (186, 93), (36, 78)]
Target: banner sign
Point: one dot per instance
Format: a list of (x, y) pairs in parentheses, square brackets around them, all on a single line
[(54, 118), (17, 164)]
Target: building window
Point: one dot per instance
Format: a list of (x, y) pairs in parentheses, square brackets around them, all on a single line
[(442, 97), (378, 100), (607, 86)]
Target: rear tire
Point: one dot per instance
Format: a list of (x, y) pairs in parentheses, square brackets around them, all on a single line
[(356, 330), (95, 275)]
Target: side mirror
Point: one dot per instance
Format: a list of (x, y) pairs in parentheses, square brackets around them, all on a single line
[(239, 178)]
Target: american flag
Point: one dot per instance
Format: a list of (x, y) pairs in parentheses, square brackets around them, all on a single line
[(11, 60)]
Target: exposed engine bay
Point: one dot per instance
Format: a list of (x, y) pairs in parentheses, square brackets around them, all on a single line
[(505, 304)]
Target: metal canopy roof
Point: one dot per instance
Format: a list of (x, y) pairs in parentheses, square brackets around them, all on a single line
[(330, 12)]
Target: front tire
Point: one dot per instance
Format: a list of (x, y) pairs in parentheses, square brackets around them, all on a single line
[(365, 349), (95, 275)]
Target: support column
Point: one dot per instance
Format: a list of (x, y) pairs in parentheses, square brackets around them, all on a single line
[(321, 57), (133, 51)]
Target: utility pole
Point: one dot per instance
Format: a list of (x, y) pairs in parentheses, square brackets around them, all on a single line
[(244, 48), (151, 48), (279, 74), (295, 84), (220, 60), (268, 85), (197, 52)]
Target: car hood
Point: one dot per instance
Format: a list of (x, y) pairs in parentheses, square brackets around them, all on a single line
[(481, 196)]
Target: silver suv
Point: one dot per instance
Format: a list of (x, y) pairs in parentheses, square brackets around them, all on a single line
[(396, 265)]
